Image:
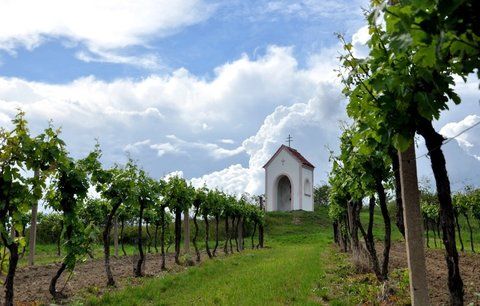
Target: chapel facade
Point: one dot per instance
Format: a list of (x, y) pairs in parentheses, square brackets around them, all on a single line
[(288, 181)]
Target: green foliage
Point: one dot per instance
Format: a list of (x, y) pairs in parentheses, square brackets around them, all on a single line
[(320, 195), (178, 195), (65, 195)]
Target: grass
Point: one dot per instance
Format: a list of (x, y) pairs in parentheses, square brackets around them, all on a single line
[(299, 266)]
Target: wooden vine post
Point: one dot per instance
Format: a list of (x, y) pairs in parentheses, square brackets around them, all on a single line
[(33, 229), (413, 227)]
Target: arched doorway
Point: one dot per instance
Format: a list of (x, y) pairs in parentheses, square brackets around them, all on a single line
[(284, 194)]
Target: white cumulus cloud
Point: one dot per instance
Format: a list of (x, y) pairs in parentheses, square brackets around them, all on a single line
[(314, 123), (100, 26), (469, 140)]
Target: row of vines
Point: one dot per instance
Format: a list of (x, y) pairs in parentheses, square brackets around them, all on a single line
[(466, 206), (416, 48), (88, 200)]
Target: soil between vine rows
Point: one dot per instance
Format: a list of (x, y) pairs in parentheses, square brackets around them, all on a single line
[(31, 283), (437, 273)]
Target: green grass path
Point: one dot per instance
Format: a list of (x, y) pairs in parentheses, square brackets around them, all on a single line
[(283, 274)]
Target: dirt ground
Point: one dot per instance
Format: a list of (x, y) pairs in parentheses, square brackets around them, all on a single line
[(437, 273), (31, 283)]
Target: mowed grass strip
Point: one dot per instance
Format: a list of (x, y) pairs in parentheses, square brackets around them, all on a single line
[(286, 274)]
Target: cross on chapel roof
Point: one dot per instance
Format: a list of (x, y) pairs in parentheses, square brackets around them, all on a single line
[(294, 153)]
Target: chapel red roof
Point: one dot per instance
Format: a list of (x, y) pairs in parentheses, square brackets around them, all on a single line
[(294, 153)]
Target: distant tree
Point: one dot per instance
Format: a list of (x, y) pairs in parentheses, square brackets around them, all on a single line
[(320, 195)]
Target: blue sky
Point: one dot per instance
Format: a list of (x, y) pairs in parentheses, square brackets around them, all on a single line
[(208, 88)]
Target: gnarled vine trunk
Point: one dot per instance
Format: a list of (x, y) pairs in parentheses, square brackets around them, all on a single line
[(260, 227), (232, 234), (434, 141), (217, 221), (178, 234), (194, 241), (106, 244), (459, 231), (388, 227), (207, 236), (162, 238), (253, 234), (370, 241), (138, 269), (53, 282), (471, 232), (115, 236), (227, 234), (156, 238), (12, 266)]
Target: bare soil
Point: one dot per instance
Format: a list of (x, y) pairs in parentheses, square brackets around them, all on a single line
[(31, 283), (437, 273)]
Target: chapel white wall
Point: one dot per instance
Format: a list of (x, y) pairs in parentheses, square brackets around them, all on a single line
[(307, 200), (291, 169)]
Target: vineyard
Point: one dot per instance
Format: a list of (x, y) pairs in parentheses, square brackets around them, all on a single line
[(125, 194), (75, 230), (395, 93)]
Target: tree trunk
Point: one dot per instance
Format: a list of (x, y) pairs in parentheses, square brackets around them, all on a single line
[(162, 238), (398, 192), (196, 234), (236, 234), (186, 239), (225, 247), (207, 235), (353, 211), (138, 270), (232, 234), (122, 238), (53, 282), (115, 236), (260, 227), (240, 233), (217, 221), (471, 232), (106, 244), (178, 234), (253, 234), (335, 232), (156, 238), (244, 230), (388, 227), (12, 267), (434, 141), (369, 240), (459, 230)]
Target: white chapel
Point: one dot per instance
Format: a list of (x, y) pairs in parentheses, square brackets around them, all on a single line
[(288, 181)]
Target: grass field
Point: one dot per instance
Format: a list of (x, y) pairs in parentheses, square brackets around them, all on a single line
[(299, 266)]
